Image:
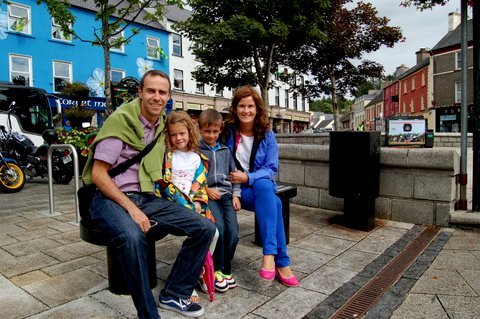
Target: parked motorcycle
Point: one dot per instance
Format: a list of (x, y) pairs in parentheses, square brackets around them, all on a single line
[(33, 160), (12, 177)]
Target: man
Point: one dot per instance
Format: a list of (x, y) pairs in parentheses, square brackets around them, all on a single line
[(126, 204)]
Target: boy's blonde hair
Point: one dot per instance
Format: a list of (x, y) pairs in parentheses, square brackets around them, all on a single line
[(182, 117), (210, 117)]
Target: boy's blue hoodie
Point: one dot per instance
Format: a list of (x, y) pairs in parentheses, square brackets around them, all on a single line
[(220, 164)]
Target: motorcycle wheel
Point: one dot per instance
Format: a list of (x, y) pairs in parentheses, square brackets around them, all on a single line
[(12, 178), (62, 175)]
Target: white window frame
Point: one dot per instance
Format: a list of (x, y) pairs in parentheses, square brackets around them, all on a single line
[(178, 79), (122, 72), (277, 95), (56, 29), (65, 78), (413, 83), (287, 98), (13, 18), (28, 74), (423, 78), (176, 44), (153, 44), (458, 60), (120, 49), (218, 91), (458, 92), (200, 88)]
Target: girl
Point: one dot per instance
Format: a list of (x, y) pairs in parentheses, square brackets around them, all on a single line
[(185, 170)]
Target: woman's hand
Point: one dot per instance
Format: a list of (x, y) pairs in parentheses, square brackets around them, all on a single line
[(238, 177)]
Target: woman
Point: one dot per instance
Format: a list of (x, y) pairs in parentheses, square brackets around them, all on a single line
[(255, 151)]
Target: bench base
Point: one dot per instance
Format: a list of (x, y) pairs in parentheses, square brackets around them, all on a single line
[(285, 193), (116, 280)]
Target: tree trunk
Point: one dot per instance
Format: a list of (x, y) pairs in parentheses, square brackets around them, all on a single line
[(336, 116)]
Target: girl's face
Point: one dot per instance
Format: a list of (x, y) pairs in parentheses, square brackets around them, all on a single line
[(178, 134), (246, 110)]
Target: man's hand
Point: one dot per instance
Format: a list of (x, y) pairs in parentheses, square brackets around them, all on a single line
[(213, 193), (236, 203)]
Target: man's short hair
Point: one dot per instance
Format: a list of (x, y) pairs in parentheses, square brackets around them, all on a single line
[(210, 117), (155, 73)]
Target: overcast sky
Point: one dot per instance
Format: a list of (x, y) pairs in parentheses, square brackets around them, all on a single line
[(420, 29)]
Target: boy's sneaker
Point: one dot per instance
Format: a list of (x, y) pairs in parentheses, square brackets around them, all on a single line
[(220, 283), (182, 306), (230, 281)]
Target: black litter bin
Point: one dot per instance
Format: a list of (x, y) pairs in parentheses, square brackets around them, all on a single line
[(354, 175), (429, 139)]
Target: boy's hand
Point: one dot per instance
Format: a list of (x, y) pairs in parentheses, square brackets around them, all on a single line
[(213, 193), (236, 203), (198, 207)]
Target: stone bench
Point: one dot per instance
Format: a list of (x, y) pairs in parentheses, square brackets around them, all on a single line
[(285, 192)]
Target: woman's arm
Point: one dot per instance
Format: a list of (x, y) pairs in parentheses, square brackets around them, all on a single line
[(266, 160)]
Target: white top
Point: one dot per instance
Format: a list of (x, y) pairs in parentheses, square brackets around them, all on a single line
[(184, 166), (244, 150)]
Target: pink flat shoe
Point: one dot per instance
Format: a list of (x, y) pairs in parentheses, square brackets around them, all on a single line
[(291, 281), (266, 274)]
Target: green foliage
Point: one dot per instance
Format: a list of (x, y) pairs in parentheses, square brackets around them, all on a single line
[(243, 42), (115, 17), (325, 105)]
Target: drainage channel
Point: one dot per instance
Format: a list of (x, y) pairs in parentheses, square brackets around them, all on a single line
[(365, 298)]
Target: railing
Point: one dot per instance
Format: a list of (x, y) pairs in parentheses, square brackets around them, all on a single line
[(50, 178)]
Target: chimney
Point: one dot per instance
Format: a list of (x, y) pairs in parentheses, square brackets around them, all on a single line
[(453, 20), (400, 70), (422, 55)]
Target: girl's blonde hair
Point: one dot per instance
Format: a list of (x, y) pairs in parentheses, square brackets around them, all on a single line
[(182, 117)]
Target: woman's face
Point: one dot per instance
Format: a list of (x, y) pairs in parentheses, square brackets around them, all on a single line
[(246, 110)]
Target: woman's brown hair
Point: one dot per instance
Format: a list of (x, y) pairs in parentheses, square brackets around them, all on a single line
[(182, 117), (260, 124)]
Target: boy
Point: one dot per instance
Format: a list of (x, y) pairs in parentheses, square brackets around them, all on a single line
[(223, 197)]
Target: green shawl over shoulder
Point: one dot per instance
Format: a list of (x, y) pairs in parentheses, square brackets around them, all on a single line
[(125, 125)]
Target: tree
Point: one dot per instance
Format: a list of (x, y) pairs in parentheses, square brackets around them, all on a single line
[(115, 17), (325, 105), (350, 33), (243, 42)]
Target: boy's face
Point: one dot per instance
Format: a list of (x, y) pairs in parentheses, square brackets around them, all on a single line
[(210, 133)]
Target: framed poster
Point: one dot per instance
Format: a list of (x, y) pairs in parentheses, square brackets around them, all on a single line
[(404, 132)]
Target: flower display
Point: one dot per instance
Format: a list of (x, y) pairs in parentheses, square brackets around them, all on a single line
[(143, 66), (96, 83), (79, 138)]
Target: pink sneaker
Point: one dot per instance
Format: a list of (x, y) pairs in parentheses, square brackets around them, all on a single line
[(266, 274), (291, 281)]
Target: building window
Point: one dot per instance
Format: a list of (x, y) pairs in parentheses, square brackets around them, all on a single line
[(423, 78), (21, 70), (57, 32), (422, 102), (458, 92), (178, 79), (277, 96), (116, 75), (303, 103), (412, 106), (294, 101), (405, 87), (200, 88), (413, 84), (404, 106), (177, 44), (219, 91), (116, 47), (458, 60), (19, 18), (287, 98), (62, 73), (153, 45)]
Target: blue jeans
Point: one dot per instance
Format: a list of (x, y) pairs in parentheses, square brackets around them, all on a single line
[(227, 225), (131, 243), (261, 198)]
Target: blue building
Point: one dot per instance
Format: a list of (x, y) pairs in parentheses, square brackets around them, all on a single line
[(34, 51)]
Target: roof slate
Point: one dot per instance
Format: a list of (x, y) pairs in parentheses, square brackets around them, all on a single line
[(453, 37)]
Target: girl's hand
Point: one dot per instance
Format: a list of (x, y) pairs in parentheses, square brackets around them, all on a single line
[(238, 177), (236, 203), (213, 193), (198, 207)]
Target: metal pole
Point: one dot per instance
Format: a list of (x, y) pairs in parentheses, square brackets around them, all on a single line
[(462, 203), (476, 109), (75, 174)]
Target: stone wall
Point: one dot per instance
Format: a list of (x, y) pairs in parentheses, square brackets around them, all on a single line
[(417, 185), (440, 139)]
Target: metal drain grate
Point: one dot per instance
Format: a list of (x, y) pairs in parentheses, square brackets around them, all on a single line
[(369, 294)]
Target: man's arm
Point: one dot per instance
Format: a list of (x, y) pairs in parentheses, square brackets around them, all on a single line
[(108, 187)]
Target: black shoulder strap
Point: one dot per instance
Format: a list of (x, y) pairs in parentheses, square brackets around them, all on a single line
[(122, 167)]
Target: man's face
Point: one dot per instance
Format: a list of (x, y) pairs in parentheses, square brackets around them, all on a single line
[(154, 96)]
